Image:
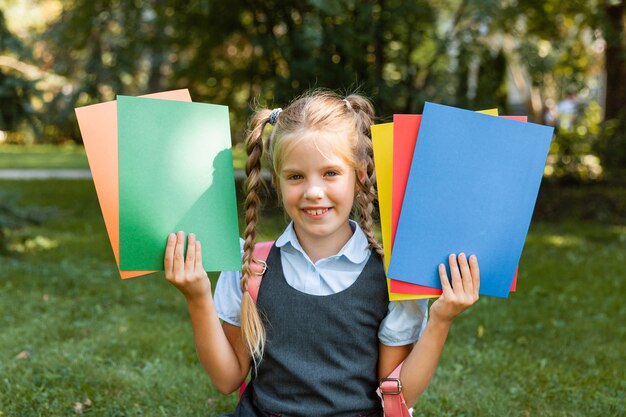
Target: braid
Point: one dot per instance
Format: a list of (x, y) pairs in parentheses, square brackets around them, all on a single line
[(364, 201), (365, 115), (252, 328), (254, 149), (365, 205)]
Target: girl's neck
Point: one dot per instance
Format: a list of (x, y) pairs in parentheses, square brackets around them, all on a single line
[(324, 247)]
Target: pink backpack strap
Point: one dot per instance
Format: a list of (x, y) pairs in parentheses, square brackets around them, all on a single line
[(390, 390), (259, 266)]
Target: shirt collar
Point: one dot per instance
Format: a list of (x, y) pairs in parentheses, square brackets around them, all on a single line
[(355, 250)]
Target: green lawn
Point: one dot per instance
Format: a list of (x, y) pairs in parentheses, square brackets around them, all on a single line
[(65, 157), (72, 331), (43, 156)]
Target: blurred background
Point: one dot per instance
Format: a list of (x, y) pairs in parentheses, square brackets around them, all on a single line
[(560, 62), (74, 339)]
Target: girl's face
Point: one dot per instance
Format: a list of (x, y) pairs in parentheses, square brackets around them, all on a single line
[(317, 188)]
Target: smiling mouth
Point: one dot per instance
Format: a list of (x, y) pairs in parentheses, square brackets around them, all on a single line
[(316, 212)]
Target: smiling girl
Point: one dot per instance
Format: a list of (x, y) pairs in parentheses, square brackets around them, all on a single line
[(322, 332)]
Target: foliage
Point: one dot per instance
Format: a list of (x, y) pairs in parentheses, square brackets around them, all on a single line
[(590, 202), (13, 219), (612, 147), (241, 53), (16, 92), (572, 154)]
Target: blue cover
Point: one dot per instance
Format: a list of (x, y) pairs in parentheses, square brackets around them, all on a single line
[(472, 188)]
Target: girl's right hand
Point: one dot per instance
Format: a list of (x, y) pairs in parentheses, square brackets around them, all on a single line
[(188, 275), (462, 293)]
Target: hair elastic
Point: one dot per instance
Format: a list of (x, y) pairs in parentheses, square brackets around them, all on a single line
[(348, 105), (274, 116)]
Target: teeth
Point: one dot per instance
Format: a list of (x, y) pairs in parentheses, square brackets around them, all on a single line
[(316, 212)]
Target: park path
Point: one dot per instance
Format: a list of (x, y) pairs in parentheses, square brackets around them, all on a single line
[(44, 174), (67, 174)]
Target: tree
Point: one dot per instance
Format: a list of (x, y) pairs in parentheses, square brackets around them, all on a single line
[(401, 53), (16, 90), (613, 27), (613, 147)]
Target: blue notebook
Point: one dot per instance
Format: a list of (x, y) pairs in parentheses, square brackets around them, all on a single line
[(472, 188)]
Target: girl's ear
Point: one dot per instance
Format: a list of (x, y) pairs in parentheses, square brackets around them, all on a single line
[(361, 171), (361, 174)]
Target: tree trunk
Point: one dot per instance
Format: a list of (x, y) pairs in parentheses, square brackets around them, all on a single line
[(615, 35), (379, 45)]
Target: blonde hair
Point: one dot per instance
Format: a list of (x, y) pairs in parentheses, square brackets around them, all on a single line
[(317, 111)]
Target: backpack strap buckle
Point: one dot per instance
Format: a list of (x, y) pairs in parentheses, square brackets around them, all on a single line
[(259, 266), (390, 386)]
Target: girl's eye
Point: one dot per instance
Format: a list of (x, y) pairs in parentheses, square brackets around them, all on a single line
[(294, 177), (332, 173)]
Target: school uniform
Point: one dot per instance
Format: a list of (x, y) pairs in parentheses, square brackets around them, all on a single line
[(324, 321)]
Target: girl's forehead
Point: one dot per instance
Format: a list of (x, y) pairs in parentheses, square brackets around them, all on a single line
[(331, 146)]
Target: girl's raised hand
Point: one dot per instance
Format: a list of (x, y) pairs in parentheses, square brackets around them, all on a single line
[(186, 273), (462, 293)]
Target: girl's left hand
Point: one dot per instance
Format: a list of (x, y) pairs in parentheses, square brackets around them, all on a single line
[(463, 292)]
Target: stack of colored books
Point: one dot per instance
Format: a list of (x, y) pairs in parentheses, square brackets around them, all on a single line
[(161, 164), (451, 181)]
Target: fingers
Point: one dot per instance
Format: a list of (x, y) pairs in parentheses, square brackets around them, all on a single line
[(198, 265), (190, 262), (466, 275), (462, 292), (169, 255), (445, 283), (185, 271), (179, 260), (475, 275), (457, 283), (176, 263)]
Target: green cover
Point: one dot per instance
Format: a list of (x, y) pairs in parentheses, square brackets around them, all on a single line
[(175, 173)]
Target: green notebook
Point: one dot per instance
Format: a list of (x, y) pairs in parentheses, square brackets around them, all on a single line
[(175, 173)]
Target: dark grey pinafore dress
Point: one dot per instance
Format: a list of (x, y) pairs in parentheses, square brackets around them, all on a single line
[(321, 354)]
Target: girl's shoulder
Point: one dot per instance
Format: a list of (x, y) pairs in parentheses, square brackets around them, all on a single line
[(227, 295), (404, 323)]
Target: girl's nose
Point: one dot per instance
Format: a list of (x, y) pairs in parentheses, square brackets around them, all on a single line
[(314, 192)]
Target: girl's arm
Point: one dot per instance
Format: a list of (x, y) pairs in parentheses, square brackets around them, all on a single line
[(220, 348), (420, 361)]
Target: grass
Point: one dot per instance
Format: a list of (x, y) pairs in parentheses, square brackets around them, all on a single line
[(65, 157), (43, 157), (555, 348), (75, 337)]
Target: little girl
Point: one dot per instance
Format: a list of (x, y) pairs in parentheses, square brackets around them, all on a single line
[(323, 331)]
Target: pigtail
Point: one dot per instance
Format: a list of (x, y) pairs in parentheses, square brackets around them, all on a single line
[(365, 206), (364, 112), (364, 201), (252, 328)]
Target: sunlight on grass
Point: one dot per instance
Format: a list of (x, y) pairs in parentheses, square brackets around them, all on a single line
[(34, 244), (561, 241)]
